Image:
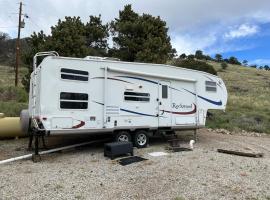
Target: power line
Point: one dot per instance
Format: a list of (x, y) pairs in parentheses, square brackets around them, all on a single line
[(8, 26), (30, 18)]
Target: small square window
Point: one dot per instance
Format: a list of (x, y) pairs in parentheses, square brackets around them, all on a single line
[(210, 86), (164, 91)]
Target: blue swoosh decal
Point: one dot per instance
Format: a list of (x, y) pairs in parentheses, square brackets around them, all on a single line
[(138, 78), (138, 113), (218, 103), (115, 79)]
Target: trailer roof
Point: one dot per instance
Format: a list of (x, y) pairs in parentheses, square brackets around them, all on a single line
[(125, 62)]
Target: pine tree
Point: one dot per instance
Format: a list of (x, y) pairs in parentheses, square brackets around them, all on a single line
[(142, 38)]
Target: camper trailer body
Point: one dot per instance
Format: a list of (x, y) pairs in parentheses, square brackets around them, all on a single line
[(95, 95)]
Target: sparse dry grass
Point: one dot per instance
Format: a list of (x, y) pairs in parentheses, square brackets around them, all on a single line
[(248, 105), (7, 75), (12, 99)]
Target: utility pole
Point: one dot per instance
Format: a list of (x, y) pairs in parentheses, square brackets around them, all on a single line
[(18, 46)]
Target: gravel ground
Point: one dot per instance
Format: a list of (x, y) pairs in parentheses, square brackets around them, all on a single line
[(85, 174)]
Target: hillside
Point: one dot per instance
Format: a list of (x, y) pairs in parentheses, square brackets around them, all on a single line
[(248, 104), (7, 50), (12, 99)]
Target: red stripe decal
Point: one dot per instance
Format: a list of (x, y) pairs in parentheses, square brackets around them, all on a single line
[(82, 123), (183, 113)]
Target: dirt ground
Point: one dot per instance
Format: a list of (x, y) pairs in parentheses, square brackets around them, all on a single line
[(85, 173)]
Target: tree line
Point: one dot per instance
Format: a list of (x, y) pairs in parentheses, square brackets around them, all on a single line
[(199, 55)]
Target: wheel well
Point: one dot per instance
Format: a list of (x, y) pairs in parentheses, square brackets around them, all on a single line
[(117, 131), (148, 131), (133, 131)]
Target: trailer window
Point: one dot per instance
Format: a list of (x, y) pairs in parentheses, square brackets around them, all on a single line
[(211, 86), (70, 100), (137, 96), (164, 91), (72, 74)]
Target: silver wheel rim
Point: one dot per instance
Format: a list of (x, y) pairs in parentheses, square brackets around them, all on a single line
[(123, 138), (141, 139)]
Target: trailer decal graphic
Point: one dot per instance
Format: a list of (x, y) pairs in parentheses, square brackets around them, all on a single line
[(99, 103), (138, 78), (138, 113), (218, 103), (182, 113), (130, 111), (115, 79), (82, 123)]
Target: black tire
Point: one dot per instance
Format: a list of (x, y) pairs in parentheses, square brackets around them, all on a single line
[(122, 136), (141, 139)]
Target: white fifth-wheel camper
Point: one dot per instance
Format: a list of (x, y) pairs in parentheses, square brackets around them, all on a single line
[(131, 100)]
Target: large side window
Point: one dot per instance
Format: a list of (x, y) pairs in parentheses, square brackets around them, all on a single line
[(70, 100), (137, 96), (72, 74), (211, 86)]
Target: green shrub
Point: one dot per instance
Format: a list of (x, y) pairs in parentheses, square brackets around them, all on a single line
[(12, 93), (224, 65), (195, 64), (12, 108)]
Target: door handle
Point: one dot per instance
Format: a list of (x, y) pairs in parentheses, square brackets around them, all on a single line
[(160, 103)]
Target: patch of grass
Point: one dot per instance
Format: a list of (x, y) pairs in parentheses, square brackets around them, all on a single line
[(12, 108), (7, 75), (12, 99), (12, 93), (248, 106)]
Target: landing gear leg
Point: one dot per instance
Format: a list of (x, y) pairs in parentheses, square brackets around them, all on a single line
[(30, 141), (43, 142), (36, 156)]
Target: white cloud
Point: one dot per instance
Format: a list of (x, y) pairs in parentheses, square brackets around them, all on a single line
[(243, 30), (189, 44), (260, 62)]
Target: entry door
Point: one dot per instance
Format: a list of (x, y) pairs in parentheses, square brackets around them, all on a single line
[(164, 104)]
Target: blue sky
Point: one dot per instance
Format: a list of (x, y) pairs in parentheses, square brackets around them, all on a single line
[(256, 46), (233, 28)]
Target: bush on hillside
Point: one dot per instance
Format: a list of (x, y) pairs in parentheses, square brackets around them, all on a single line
[(195, 64), (233, 60), (12, 108), (12, 93), (224, 65)]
